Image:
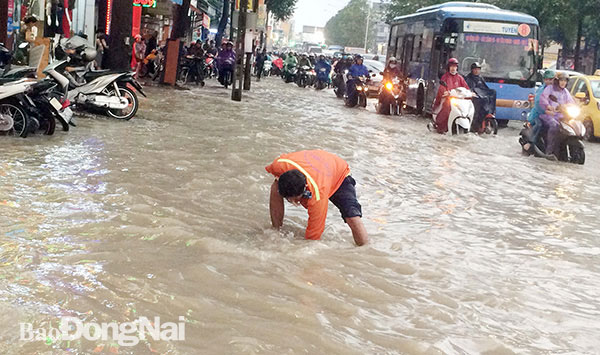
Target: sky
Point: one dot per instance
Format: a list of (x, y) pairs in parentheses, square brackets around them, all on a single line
[(316, 12)]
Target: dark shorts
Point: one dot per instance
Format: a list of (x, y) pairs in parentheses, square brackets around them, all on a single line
[(345, 199)]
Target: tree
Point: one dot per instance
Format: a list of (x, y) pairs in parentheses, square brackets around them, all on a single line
[(281, 9), (347, 28), (222, 23)]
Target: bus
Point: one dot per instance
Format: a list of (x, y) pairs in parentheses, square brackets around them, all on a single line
[(505, 43)]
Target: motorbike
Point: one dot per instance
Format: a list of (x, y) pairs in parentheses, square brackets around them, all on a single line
[(9, 72), (210, 69), (571, 135), (290, 72), (359, 96), (226, 72), (305, 76), (267, 68), (489, 124), (339, 84), (14, 119), (191, 70), (322, 80), (391, 97), (113, 93), (461, 113)]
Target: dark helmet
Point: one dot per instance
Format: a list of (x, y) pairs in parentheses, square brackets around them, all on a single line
[(475, 65), (229, 43), (452, 61), (358, 57)]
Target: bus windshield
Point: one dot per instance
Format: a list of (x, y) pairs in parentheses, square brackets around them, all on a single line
[(500, 56)]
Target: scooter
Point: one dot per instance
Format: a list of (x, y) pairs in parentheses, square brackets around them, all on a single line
[(359, 96), (391, 97), (461, 113), (487, 100), (305, 76), (289, 73), (267, 68), (322, 80), (571, 133), (14, 119), (191, 70), (9, 72), (226, 72)]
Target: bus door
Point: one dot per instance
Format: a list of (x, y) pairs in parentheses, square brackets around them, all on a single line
[(436, 64)]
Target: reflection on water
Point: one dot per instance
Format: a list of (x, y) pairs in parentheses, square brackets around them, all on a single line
[(474, 249)]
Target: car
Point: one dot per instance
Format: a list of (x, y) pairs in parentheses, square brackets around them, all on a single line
[(315, 50), (375, 69), (588, 85)]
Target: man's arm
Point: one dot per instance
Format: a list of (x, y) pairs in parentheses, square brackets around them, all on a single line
[(276, 206)]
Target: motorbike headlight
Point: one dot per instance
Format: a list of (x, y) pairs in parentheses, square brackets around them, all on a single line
[(389, 86), (573, 111), (359, 88), (453, 101)]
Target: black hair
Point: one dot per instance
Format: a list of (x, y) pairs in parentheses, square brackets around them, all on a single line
[(291, 183)]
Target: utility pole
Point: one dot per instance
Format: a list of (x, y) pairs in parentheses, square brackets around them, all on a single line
[(238, 82), (367, 29), (248, 67)]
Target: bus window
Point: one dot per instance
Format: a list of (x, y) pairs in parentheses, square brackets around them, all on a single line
[(419, 50)]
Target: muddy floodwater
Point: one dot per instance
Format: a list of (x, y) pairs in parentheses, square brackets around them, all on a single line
[(474, 249)]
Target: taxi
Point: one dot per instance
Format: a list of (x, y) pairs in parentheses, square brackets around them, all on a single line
[(588, 88)]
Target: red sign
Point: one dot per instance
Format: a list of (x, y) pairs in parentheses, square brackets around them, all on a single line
[(206, 21), (524, 30), (144, 3)]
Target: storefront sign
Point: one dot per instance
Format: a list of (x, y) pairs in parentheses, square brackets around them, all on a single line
[(145, 3), (491, 27), (11, 7), (206, 21)]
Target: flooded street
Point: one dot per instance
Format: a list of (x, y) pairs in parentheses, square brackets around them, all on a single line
[(474, 248)]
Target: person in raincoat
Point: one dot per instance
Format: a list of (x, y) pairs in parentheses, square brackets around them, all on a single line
[(290, 62), (552, 115), (357, 69), (534, 115), (322, 63), (225, 61), (453, 80)]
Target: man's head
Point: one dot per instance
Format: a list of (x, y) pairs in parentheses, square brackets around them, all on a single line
[(393, 62), (358, 59), (229, 45), (549, 76), (476, 68), (292, 185)]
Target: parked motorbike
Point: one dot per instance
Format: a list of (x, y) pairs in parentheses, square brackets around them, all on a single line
[(113, 93), (14, 119), (461, 113), (570, 137), (359, 94), (9, 72), (391, 97)]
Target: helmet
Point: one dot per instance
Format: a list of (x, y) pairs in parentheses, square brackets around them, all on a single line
[(393, 60), (452, 61), (89, 54), (358, 57), (475, 65), (549, 74), (311, 54), (229, 43), (561, 76)]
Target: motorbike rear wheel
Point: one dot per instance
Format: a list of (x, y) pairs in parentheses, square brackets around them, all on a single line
[(128, 112), (490, 126), (19, 117)]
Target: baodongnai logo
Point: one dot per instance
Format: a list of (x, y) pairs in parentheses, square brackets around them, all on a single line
[(125, 334)]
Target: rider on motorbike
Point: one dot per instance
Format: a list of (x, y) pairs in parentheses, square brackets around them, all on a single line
[(304, 61), (356, 70), (322, 63), (392, 70), (484, 99), (453, 80), (552, 114), (534, 115), (290, 61), (225, 61)]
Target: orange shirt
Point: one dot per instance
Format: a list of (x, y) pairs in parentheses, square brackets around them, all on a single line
[(324, 173)]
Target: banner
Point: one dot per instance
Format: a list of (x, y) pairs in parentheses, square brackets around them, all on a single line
[(206, 21)]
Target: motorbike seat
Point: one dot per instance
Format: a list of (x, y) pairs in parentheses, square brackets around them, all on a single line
[(93, 74)]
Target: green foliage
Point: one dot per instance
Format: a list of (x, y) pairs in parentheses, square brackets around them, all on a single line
[(347, 27), (281, 9)]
